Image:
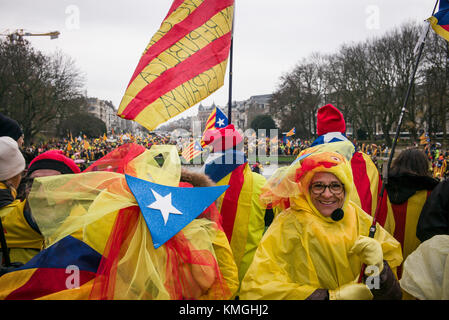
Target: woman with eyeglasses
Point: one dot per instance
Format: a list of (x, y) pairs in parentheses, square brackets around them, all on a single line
[(317, 247)]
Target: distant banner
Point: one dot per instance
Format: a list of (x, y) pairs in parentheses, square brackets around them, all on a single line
[(183, 64)]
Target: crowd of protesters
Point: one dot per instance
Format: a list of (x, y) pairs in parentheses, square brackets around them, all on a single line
[(337, 181), (85, 150)]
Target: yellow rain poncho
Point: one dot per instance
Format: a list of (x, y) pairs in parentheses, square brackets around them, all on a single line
[(302, 250), (98, 208), (426, 270)]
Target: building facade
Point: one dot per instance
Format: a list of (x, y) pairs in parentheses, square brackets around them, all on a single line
[(105, 110)]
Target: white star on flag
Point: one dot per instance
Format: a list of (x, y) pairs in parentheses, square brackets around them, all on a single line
[(220, 122), (164, 205), (331, 135)]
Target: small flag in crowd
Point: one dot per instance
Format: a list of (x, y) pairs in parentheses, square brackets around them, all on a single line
[(424, 138), (440, 20), (216, 120), (183, 64), (86, 144), (291, 132), (192, 150), (167, 210)]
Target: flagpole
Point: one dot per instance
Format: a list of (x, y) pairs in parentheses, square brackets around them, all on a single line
[(386, 172), (231, 50), (230, 83)]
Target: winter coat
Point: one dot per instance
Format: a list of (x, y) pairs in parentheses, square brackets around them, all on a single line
[(22, 235), (434, 218), (407, 195)]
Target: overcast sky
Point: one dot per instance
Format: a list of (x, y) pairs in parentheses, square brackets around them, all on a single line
[(107, 38)]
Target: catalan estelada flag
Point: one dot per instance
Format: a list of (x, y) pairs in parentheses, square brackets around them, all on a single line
[(424, 138), (440, 20), (65, 270), (216, 120), (117, 257), (291, 132), (167, 210), (184, 62), (192, 150)]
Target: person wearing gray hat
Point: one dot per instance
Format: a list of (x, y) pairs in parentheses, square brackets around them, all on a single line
[(12, 164)]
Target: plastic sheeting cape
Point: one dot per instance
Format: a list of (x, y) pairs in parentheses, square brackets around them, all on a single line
[(98, 208), (426, 270), (303, 250)]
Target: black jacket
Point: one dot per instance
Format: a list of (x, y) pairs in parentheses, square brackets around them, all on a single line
[(401, 187), (434, 218)]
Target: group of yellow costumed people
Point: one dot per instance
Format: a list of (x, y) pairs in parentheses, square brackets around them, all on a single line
[(318, 246)]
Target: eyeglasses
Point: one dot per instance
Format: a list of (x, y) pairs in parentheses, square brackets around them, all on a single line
[(334, 188)]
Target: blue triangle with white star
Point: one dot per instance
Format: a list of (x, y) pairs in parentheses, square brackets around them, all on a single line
[(167, 210), (221, 120)]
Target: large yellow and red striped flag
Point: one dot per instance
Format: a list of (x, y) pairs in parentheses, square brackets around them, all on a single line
[(183, 64)]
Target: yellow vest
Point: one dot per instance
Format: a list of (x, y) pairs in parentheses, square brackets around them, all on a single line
[(23, 241)]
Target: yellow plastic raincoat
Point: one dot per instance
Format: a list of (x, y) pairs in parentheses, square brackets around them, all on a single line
[(99, 209), (302, 250)]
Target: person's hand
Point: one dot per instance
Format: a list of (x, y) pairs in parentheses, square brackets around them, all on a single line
[(370, 252), (351, 291)]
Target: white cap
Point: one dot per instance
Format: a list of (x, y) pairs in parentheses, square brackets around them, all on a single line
[(12, 161)]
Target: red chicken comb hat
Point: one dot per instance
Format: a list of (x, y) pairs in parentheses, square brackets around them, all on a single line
[(330, 119)]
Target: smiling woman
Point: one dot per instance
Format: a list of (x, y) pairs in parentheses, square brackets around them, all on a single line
[(315, 249), (327, 193)]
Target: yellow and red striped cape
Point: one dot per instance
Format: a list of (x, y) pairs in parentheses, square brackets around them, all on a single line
[(367, 181), (406, 216), (184, 62), (240, 208)]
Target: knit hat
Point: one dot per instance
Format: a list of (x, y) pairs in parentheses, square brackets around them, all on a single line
[(12, 161), (55, 160), (330, 119), (9, 127), (223, 138)]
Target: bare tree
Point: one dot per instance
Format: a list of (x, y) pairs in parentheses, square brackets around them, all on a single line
[(37, 90), (435, 84)]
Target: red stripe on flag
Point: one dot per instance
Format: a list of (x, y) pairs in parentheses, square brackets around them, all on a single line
[(362, 181), (400, 217), (196, 19), (211, 120), (46, 281), (231, 200), (211, 55), (382, 207), (210, 123), (445, 27), (188, 150)]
